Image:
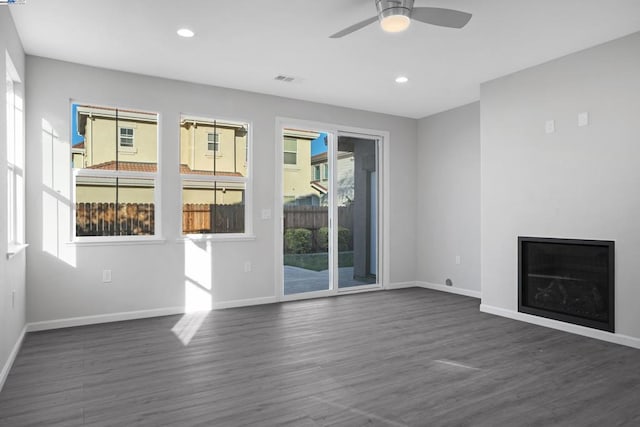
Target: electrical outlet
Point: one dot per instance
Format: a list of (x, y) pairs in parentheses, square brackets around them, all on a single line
[(583, 119), (247, 266), (266, 214), (458, 260), (550, 126), (106, 276)]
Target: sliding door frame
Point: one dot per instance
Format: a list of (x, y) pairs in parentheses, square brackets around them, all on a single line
[(382, 153)]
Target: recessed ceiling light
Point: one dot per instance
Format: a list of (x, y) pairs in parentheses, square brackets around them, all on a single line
[(185, 32), (401, 79)]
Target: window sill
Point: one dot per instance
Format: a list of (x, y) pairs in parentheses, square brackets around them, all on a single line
[(14, 249), (127, 150), (106, 241), (216, 238)]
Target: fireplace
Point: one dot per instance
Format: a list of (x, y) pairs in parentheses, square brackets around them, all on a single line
[(568, 280)]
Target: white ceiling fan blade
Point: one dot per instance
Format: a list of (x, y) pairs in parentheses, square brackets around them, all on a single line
[(353, 28), (441, 17)]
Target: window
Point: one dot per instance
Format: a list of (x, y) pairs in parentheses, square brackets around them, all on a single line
[(15, 160), (325, 172), (126, 137), (290, 151), (114, 196), (213, 142), (316, 173), (214, 188)]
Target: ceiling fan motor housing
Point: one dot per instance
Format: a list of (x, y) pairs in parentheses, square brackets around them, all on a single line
[(393, 8)]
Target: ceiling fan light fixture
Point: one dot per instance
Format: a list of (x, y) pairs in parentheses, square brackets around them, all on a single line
[(394, 15), (395, 23)]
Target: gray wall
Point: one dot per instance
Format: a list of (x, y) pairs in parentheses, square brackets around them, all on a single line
[(12, 271), (448, 198), (579, 182), (65, 280)]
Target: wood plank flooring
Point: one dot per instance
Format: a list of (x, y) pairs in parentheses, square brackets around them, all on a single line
[(411, 357)]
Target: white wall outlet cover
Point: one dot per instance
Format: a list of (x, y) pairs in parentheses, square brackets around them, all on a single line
[(583, 119), (106, 276), (266, 214), (550, 126)]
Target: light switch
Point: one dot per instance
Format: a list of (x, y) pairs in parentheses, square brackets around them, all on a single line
[(583, 119), (550, 126)]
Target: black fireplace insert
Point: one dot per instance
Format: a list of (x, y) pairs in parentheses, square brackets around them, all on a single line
[(568, 280)]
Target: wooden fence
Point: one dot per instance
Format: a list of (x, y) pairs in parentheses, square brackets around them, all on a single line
[(130, 219), (199, 218), (103, 219), (315, 217)]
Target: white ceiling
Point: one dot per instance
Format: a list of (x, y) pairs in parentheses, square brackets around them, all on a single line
[(244, 44)]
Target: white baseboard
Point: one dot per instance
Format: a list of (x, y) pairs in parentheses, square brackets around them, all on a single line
[(102, 318), (12, 357), (562, 326), (450, 289), (132, 315), (244, 302), (400, 285)]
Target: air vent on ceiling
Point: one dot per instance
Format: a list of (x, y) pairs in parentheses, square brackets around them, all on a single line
[(283, 78)]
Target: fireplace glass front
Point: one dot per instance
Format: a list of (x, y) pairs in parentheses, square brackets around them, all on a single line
[(568, 280)]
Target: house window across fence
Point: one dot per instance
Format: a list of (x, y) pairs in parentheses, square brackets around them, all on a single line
[(114, 192), (214, 188), (290, 151), (126, 137)]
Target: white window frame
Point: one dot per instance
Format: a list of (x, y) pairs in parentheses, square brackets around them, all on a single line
[(285, 151), (126, 137), (215, 142), (217, 179), (15, 149), (154, 177), (316, 176)]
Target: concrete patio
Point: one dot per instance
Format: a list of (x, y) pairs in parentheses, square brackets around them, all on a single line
[(298, 280)]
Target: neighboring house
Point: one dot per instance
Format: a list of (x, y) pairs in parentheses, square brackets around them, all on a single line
[(297, 168), (345, 181), (127, 140), (78, 156), (213, 148), (306, 177)]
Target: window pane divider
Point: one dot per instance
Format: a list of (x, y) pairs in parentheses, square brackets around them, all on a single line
[(114, 174), (213, 178)]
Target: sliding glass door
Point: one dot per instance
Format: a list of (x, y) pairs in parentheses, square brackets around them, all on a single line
[(356, 199), (329, 212), (305, 211)]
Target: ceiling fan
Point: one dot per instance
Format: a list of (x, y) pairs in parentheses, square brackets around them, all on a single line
[(396, 15)]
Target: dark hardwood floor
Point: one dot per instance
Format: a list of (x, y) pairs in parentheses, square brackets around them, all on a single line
[(412, 357)]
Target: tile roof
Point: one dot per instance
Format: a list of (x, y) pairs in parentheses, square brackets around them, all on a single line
[(153, 167)]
